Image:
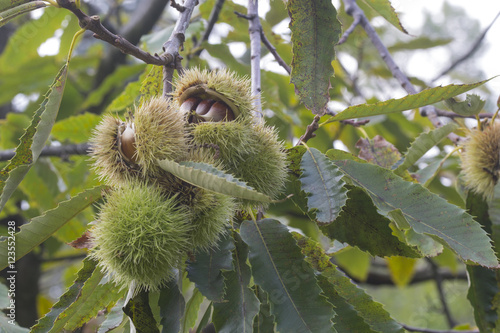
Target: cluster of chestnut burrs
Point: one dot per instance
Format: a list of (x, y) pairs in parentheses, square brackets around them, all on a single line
[(151, 219)]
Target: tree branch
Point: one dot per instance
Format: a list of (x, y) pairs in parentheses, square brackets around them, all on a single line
[(172, 46), (469, 53), (439, 285), (376, 278), (175, 5), (55, 151), (93, 23), (69, 257), (141, 21), (349, 30), (214, 16), (449, 114), (273, 51), (309, 131), (429, 111), (254, 29)]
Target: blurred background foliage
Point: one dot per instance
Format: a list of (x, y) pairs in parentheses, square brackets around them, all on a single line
[(102, 80)]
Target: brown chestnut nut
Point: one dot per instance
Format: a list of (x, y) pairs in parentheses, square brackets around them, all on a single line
[(204, 106), (190, 104), (219, 111), (126, 143)]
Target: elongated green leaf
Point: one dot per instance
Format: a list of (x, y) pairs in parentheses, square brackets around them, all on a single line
[(483, 285), (279, 268), (42, 227), (422, 243), (427, 174), (33, 139), (323, 181), (126, 99), (140, 313), (264, 321), (418, 43), (191, 313), (315, 30), (426, 97), (359, 224), (422, 144), (205, 319), (385, 9), (114, 318), (347, 320), (336, 155), (148, 85), (96, 294), (6, 4), (206, 272), (76, 129), (425, 212), (494, 214), (172, 306), (372, 312), (207, 177), (85, 273), (9, 14), (236, 313)]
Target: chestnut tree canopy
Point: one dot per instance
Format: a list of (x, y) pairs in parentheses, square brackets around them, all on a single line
[(389, 215)]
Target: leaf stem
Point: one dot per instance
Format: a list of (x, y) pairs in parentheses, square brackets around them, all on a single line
[(427, 183), (73, 42)]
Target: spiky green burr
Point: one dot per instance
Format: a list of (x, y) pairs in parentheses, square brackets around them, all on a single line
[(141, 235), (481, 159)]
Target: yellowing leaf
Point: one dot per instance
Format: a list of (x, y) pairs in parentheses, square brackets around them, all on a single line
[(426, 97)]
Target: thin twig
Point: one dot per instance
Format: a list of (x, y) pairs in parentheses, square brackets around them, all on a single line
[(140, 22), (439, 286), (172, 46), (254, 29), (246, 17), (212, 19), (355, 123), (449, 114), (427, 330), (55, 151), (353, 9), (70, 257), (273, 51), (180, 8), (93, 23), (310, 130), (469, 53), (349, 31), (383, 278)]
